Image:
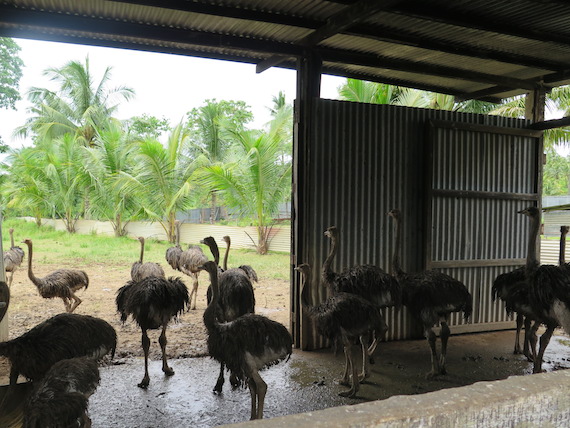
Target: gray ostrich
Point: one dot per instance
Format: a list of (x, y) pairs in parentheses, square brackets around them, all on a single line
[(152, 302), (189, 264), (13, 257), (344, 317), (62, 283), (61, 397), (236, 298), (247, 270), (141, 270), (549, 287), (173, 253), (245, 345), (60, 337), (431, 297)]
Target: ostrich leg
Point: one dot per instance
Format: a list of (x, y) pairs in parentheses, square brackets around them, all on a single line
[(145, 345), (531, 338), (260, 391), (444, 334), (162, 340), (220, 382), (76, 303), (253, 393), (430, 335), (520, 320), (544, 341), (194, 293), (355, 385)]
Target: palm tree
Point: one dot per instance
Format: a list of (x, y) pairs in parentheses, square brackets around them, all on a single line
[(104, 164), (254, 182), (78, 107), (160, 179)]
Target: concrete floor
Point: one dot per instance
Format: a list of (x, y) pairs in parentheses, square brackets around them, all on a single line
[(306, 383)]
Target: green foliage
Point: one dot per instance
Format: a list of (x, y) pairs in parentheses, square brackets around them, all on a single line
[(146, 126), (10, 73), (556, 174)]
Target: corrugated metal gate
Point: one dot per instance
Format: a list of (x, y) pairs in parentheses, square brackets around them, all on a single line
[(363, 160), (478, 178)]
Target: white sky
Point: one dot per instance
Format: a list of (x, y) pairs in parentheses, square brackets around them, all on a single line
[(165, 85)]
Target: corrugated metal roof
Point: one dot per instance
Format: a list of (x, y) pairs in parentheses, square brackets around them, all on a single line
[(472, 49)]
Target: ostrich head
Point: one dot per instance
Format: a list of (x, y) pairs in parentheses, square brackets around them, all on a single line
[(27, 241), (209, 267), (227, 239), (564, 230), (11, 230), (395, 214), (530, 211), (208, 240), (141, 239), (304, 269), (331, 232)]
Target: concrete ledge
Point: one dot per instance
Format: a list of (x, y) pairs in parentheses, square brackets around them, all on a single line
[(541, 400)]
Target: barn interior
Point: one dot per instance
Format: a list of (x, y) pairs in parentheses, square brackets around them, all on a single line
[(458, 178)]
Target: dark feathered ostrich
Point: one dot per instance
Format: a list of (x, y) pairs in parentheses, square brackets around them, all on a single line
[(189, 263), (367, 281), (62, 283), (549, 287), (245, 345), (236, 298), (562, 254), (345, 317), (173, 253), (431, 297), (141, 270), (246, 269), (60, 337), (13, 257), (4, 299), (152, 302), (61, 397)]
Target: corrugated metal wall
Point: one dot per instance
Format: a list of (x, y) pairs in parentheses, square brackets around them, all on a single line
[(364, 160)]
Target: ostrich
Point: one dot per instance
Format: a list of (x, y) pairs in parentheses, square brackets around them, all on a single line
[(236, 298), (344, 317), (189, 263), (62, 283), (4, 299), (562, 254), (141, 270), (246, 269), (549, 287), (13, 257), (61, 397), (173, 253), (60, 337), (430, 296), (246, 345), (153, 302)]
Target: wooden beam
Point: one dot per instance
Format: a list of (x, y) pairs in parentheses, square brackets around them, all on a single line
[(334, 25), (551, 124)]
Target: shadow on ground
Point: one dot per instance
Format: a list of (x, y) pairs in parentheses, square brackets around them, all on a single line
[(306, 383)]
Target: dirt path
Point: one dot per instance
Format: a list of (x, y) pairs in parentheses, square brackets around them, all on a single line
[(186, 337)]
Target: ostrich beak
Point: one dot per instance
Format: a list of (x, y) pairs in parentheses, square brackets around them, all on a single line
[(525, 211)]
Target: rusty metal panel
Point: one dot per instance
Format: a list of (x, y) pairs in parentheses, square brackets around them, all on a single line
[(364, 160)]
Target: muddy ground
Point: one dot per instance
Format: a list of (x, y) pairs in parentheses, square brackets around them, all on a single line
[(186, 336)]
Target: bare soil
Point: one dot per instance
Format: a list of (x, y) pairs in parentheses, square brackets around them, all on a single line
[(186, 336)]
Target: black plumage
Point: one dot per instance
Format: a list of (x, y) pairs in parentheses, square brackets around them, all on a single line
[(247, 270), (152, 303), (368, 281), (431, 297), (140, 269), (60, 399), (236, 298), (62, 283), (344, 317), (4, 299), (60, 337), (245, 345)]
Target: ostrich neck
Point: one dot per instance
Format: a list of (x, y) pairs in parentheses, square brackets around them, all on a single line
[(562, 255), (210, 320), (304, 293), (327, 273), (396, 267), (226, 255), (142, 252), (531, 261), (215, 252), (12, 239), (30, 273), (177, 230)]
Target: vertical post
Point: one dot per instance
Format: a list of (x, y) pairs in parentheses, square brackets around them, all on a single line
[(4, 322), (535, 103), (308, 90)]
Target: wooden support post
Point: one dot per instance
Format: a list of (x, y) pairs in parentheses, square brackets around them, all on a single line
[(4, 323), (308, 90)]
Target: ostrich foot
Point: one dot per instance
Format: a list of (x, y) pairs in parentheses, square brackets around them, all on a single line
[(218, 388), (351, 393), (517, 351), (344, 382), (529, 358), (144, 383), (363, 376), (432, 375), (234, 381), (168, 371)]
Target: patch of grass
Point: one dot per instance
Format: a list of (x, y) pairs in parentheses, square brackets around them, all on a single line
[(59, 247)]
